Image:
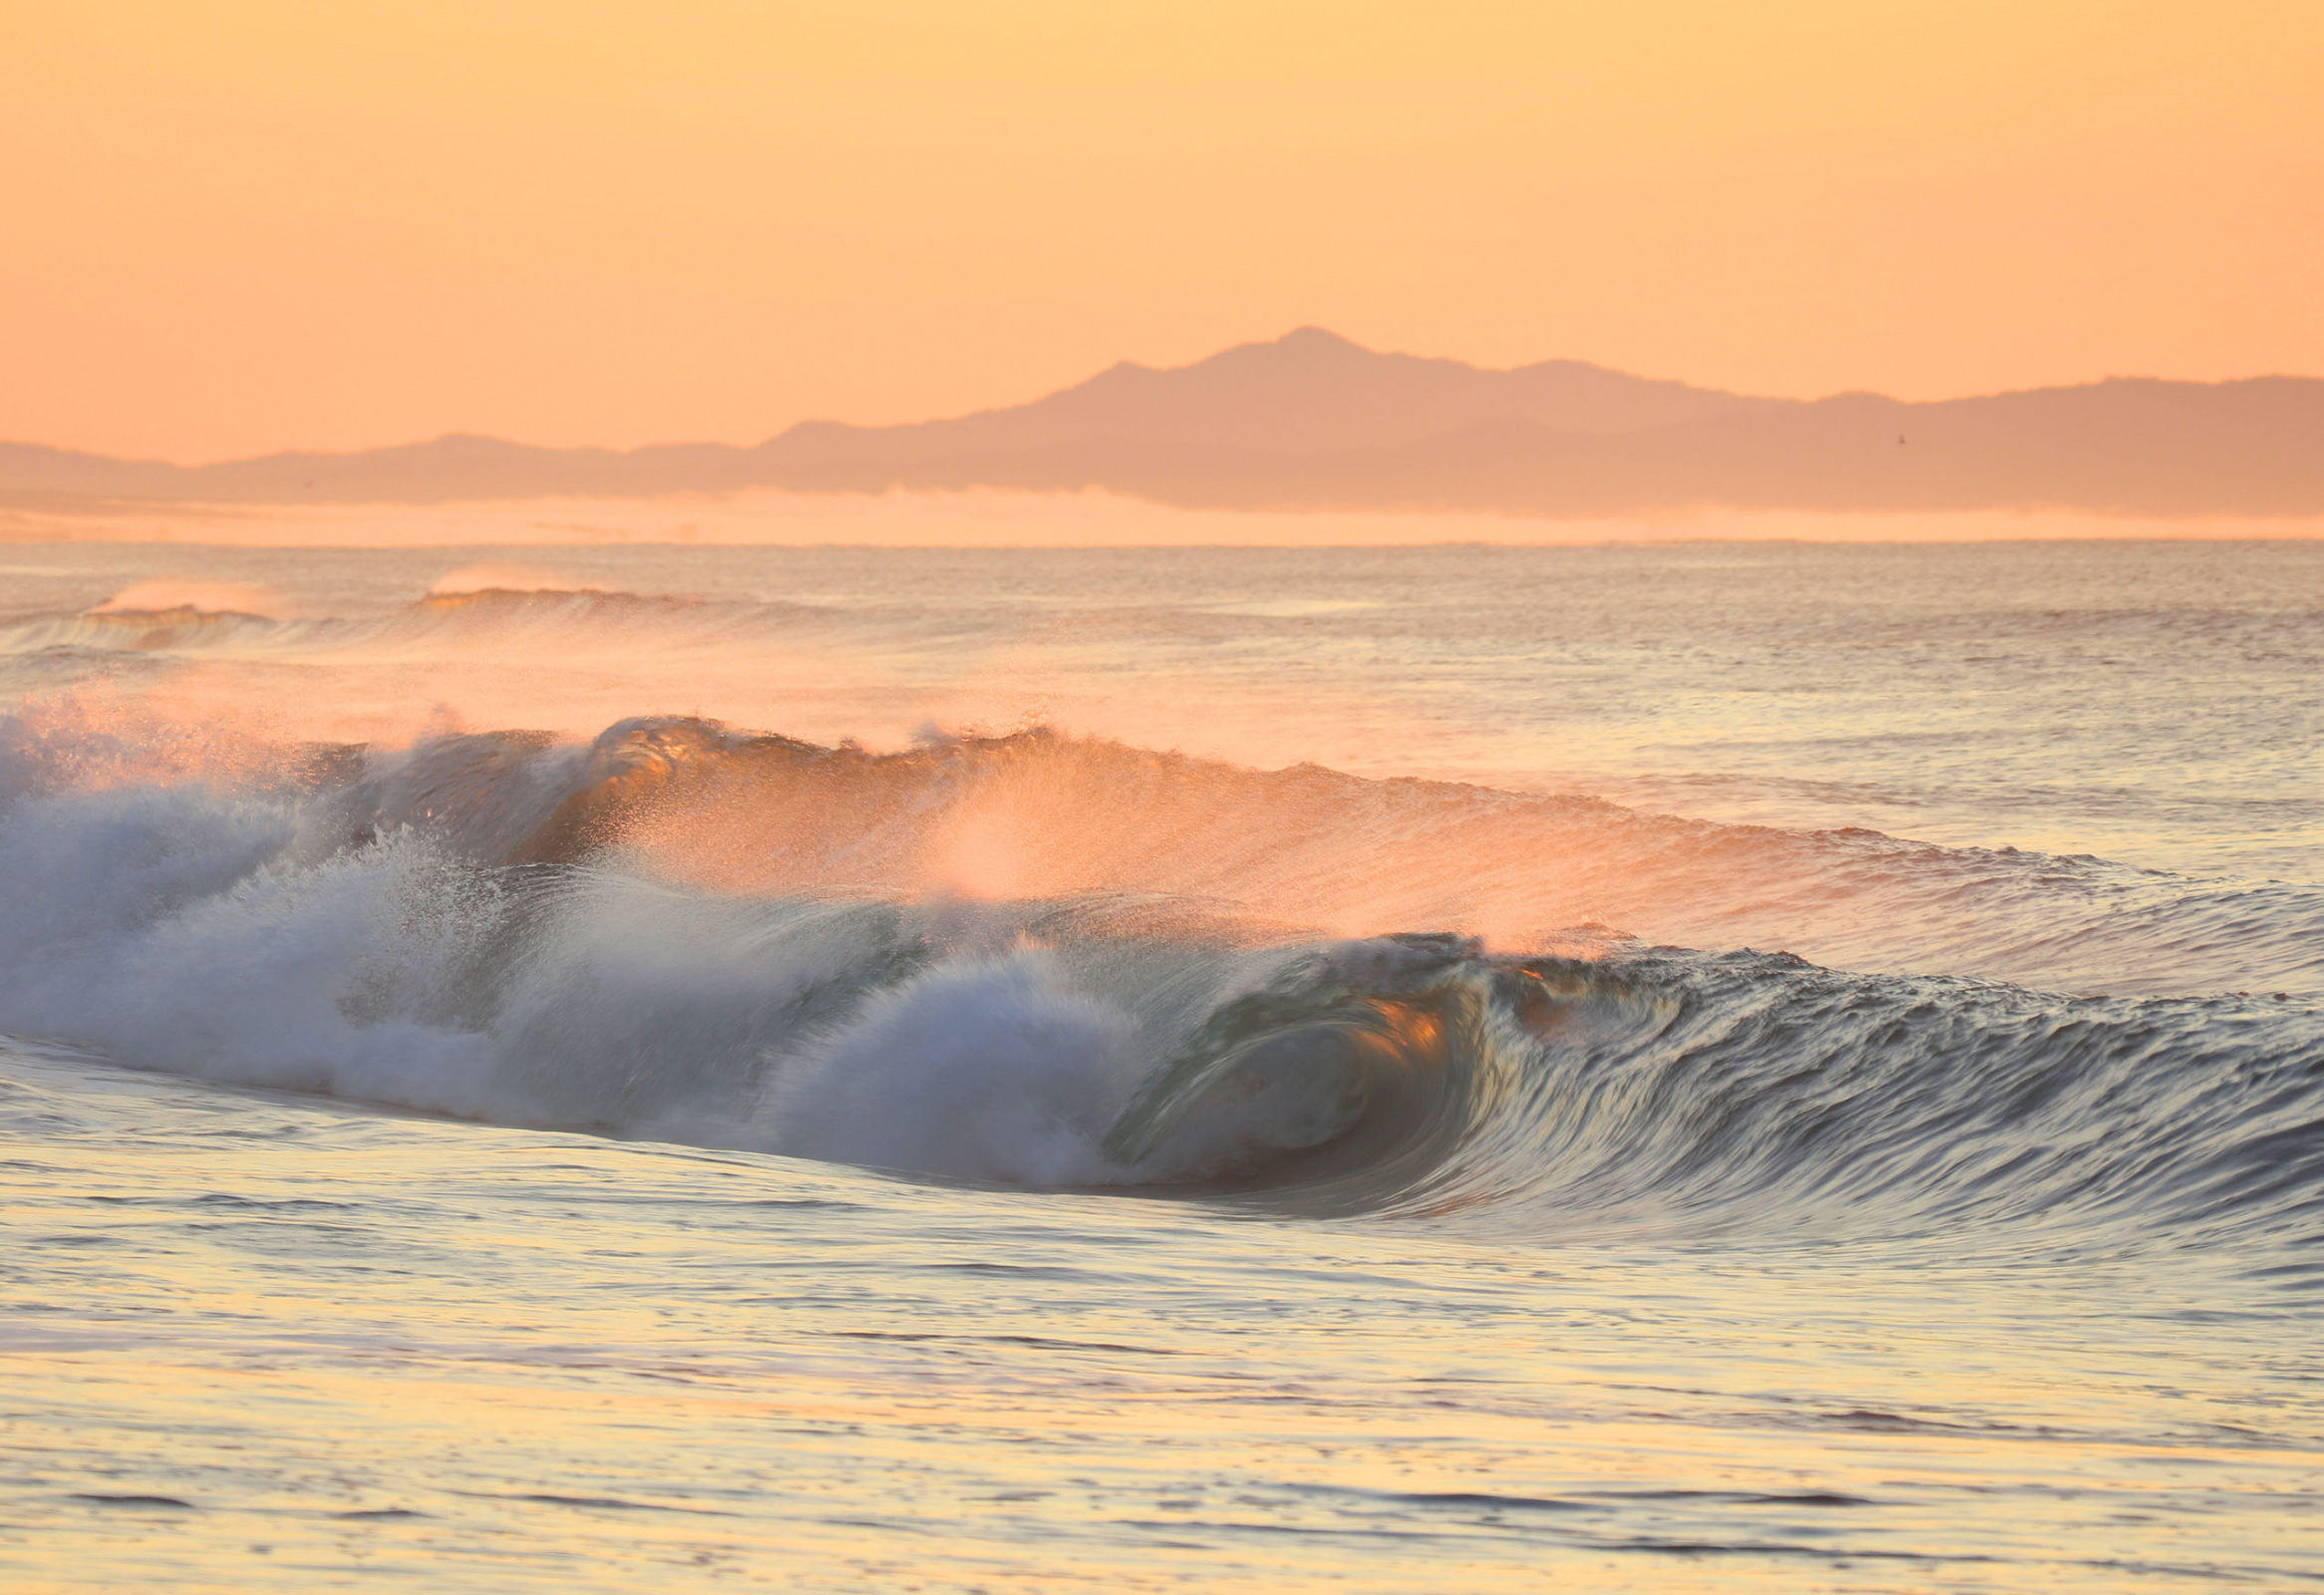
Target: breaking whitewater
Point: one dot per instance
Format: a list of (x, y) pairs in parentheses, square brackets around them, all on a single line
[(492, 926)]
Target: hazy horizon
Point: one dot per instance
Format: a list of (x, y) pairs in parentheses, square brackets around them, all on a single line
[(746, 438)]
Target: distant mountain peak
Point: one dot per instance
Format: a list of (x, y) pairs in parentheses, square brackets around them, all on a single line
[(1313, 419), (1313, 337), (1301, 346)]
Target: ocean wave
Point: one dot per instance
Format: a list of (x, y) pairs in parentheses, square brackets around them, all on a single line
[(143, 630), (1036, 814), (470, 617), (503, 927), (573, 604)]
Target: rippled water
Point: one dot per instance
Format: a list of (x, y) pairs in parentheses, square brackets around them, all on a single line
[(1699, 1065)]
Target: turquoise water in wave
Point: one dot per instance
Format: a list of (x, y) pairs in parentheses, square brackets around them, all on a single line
[(1692, 1067)]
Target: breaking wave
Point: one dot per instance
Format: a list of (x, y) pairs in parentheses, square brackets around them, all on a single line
[(1050, 963)]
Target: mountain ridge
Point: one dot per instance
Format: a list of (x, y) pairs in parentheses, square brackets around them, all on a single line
[(1312, 421)]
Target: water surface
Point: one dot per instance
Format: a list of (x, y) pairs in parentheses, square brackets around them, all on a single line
[(1787, 1066)]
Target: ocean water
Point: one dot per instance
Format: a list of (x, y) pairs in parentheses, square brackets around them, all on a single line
[(1706, 1066)]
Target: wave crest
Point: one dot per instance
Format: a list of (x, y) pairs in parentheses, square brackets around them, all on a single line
[(483, 926)]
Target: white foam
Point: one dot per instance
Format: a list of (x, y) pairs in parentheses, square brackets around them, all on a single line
[(180, 928), (172, 928), (991, 1069)]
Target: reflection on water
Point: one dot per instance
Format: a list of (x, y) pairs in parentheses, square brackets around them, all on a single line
[(260, 1343)]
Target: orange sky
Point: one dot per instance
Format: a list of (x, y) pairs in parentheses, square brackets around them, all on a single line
[(235, 225)]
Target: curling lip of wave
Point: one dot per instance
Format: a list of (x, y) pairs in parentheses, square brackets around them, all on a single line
[(1038, 813), (314, 938)]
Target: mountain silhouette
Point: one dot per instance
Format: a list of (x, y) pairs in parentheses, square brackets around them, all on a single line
[(1312, 421)]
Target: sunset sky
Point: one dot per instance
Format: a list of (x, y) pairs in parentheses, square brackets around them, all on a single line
[(229, 227)]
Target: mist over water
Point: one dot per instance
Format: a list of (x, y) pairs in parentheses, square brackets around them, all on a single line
[(1742, 1063)]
